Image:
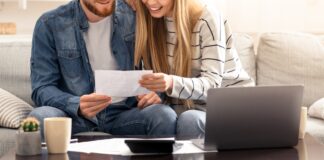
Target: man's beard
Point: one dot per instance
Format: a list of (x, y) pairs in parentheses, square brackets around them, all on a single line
[(95, 11)]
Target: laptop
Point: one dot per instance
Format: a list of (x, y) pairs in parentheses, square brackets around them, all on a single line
[(252, 117)]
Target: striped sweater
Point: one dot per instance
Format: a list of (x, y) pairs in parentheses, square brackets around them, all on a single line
[(215, 62)]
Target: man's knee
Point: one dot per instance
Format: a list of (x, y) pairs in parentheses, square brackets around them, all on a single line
[(43, 112)]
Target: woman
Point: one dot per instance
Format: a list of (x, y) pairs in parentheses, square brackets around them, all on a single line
[(189, 47)]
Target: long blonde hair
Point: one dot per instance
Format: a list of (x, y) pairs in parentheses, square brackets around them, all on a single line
[(151, 39)]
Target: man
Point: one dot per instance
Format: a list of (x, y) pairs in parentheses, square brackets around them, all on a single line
[(69, 44)]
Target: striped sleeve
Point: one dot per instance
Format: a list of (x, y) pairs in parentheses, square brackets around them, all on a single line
[(234, 73), (212, 43)]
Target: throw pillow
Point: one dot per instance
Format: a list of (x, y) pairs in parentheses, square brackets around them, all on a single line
[(12, 110), (317, 109)]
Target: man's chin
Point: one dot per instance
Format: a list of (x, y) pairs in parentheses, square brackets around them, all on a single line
[(104, 13)]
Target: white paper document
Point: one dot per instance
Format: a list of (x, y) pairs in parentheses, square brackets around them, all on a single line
[(117, 146), (120, 83)]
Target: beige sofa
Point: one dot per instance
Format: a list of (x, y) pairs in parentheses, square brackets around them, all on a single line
[(287, 58), (282, 58)]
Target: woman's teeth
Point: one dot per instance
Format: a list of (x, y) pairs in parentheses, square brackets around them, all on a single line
[(156, 8)]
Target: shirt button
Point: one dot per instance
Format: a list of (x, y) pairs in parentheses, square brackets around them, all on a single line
[(115, 20)]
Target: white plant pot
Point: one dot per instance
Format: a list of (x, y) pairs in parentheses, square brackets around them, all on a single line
[(28, 143)]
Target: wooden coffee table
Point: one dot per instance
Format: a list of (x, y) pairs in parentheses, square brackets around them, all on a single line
[(307, 149)]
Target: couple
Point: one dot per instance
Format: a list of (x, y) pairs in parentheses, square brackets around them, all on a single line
[(187, 45)]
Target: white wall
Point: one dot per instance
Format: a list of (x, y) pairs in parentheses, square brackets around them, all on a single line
[(244, 15), (25, 19), (274, 15)]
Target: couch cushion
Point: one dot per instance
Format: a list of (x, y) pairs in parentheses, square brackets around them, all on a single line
[(7, 140), (245, 48), (12, 110), (316, 110), (315, 127), (15, 52), (290, 58)]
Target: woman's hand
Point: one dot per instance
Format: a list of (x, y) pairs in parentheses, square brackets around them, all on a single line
[(131, 3), (147, 100), (157, 82)]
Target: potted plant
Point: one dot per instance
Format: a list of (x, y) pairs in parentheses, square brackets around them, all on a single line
[(28, 138)]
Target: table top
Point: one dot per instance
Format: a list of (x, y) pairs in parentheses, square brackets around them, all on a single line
[(307, 149)]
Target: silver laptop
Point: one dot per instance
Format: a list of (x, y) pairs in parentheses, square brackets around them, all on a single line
[(252, 117)]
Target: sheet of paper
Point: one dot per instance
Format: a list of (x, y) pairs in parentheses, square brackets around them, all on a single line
[(117, 146), (120, 83)]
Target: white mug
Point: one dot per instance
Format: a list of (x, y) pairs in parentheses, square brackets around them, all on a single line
[(57, 131), (303, 120)]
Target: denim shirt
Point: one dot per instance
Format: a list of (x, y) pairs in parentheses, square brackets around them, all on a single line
[(60, 68)]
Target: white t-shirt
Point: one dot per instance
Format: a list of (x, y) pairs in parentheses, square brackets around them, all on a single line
[(97, 40)]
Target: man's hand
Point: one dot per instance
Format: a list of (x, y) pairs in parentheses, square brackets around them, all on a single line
[(147, 100), (157, 82), (131, 3), (92, 104)]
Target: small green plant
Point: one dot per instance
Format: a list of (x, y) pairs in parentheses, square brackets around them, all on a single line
[(30, 124)]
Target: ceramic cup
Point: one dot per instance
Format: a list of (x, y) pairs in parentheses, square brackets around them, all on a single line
[(57, 132), (303, 120)]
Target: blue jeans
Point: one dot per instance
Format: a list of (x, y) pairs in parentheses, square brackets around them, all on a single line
[(155, 120), (191, 124)]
